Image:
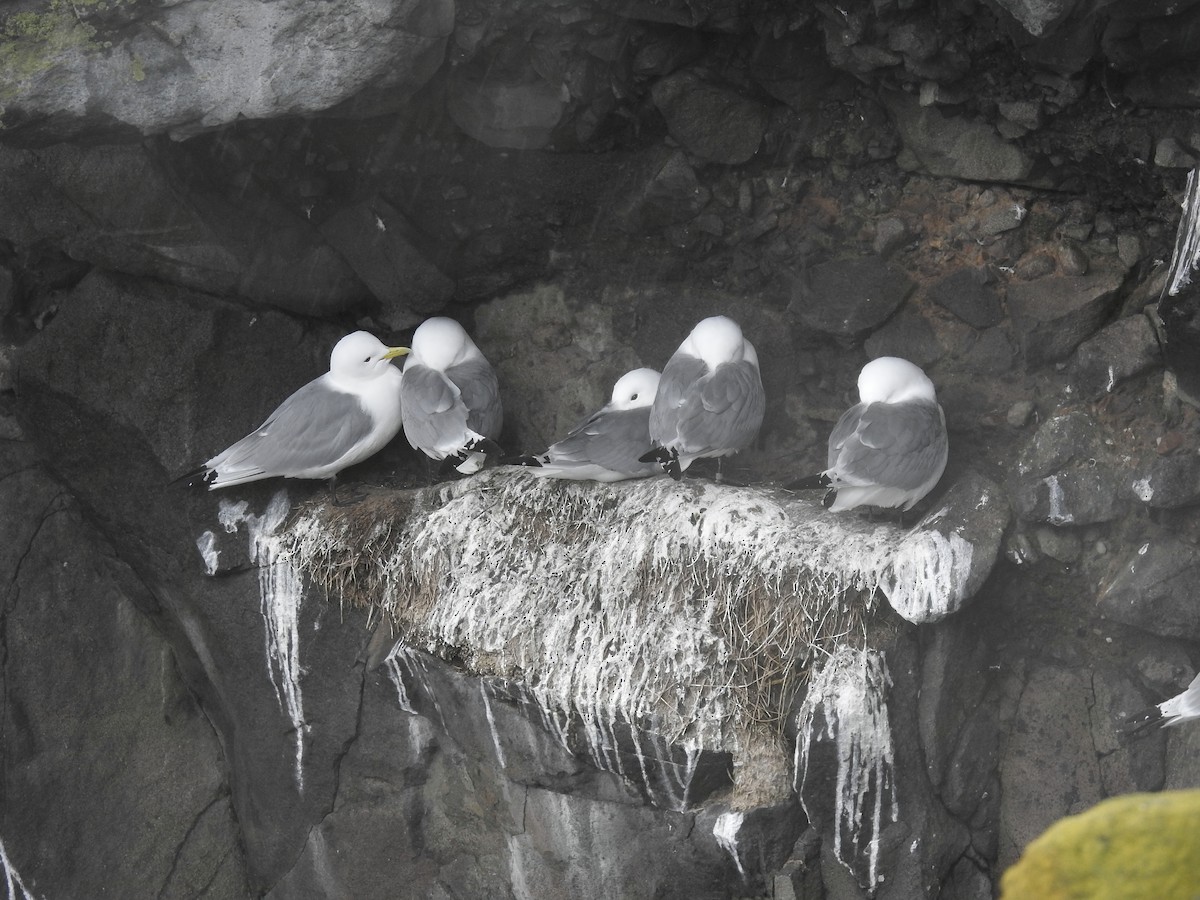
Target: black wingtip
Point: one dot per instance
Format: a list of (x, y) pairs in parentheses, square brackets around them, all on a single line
[(1139, 722), (532, 462), (809, 483), (656, 454), (196, 478)]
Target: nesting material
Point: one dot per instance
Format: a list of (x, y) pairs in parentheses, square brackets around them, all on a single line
[(693, 610)]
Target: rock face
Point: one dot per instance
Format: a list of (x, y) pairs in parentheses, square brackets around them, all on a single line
[(502, 687)]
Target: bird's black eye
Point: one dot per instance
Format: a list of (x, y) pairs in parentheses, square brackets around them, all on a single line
[(368, 359), (634, 397)]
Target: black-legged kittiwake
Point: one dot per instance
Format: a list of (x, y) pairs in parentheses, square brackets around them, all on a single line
[(890, 448), (606, 446), (450, 396), (710, 399), (334, 421), (1183, 707)]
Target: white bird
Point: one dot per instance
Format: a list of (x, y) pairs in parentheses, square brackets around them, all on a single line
[(1183, 707), (334, 421), (450, 396), (606, 446), (710, 399), (890, 448)]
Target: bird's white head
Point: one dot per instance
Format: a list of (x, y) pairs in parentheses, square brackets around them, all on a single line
[(716, 340), (440, 343), (635, 389), (362, 355), (890, 379)]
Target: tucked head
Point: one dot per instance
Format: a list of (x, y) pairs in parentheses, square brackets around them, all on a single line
[(440, 343), (716, 340), (362, 355), (890, 379), (635, 389)]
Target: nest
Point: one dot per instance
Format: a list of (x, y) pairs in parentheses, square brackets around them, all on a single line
[(692, 609)]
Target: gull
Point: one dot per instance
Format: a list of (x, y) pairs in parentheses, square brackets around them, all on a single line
[(710, 399), (333, 422), (450, 397), (606, 446), (890, 448)]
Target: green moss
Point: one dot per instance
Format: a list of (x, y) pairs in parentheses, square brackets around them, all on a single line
[(34, 43), (138, 69), (1125, 848)]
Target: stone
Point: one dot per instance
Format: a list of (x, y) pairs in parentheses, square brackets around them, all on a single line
[(710, 120), (1054, 315), (664, 191), (1179, 318), (377, 240), (1064, 475), (907, 334), (104, 73), (1120, 351), (1168, 482), (991, 353), (1020, 413), (1048, 767), (1025, 113), (1170, 154), (120, 208), (660, 51), (954, 147), (1153, 587), (518, 110), (969, 294), (891, 234), (847, 298)]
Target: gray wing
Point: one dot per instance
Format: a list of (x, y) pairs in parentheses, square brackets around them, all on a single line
[(726, 410), (892, 444), (313, 427), (476, 380), (674, 390), (430, 407), (612, 439)]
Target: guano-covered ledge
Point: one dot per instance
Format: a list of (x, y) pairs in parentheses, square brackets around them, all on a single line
[(663, 632)]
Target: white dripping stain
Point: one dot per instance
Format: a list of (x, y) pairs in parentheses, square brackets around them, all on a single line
[(392, 664), (1112, 379), (850, 693), (207, 545), (929, 576), (280, 588), (725, 830), (1186, 255), (17, 890), (1059, 514), (1143, 490), (491, 720)]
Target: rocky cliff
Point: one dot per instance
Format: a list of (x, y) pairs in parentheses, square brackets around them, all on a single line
[(499, 686)]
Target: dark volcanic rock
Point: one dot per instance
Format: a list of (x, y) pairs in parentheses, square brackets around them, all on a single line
[(710, 120), (909, 335), (1052, 316), (969, 294), (662, 191), (1124, 349), (1168, 482), (376, 239), (1154, 588), (1180, 316), (847, 298), (1064, 475)]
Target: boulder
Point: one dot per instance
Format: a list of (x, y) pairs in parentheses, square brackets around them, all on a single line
[(1053, 315), (104, 71), (710, 120)]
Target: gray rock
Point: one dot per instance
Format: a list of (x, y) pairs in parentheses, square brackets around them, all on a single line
[(1154, 587), (954, 147), (909, 335), (1170, 154), (119, 207), (1025, 113), (1122, 350), (1064, 475), (660, 51), (890, 235), (663, 191), (1052, 316), (848, 298), (710, 120), (991, 353), (1020, 413), (1125, 766), (183, 69), (376, 239), (969, 294), (1168, 482), (1179, 315), (1038, 17), (1048, 766), (517, 110)]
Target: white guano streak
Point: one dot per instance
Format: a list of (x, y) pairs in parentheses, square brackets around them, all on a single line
[(12, 879), (850, 691), (280, 588)]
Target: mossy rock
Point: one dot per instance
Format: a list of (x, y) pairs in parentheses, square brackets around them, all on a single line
[(1133, 847)]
